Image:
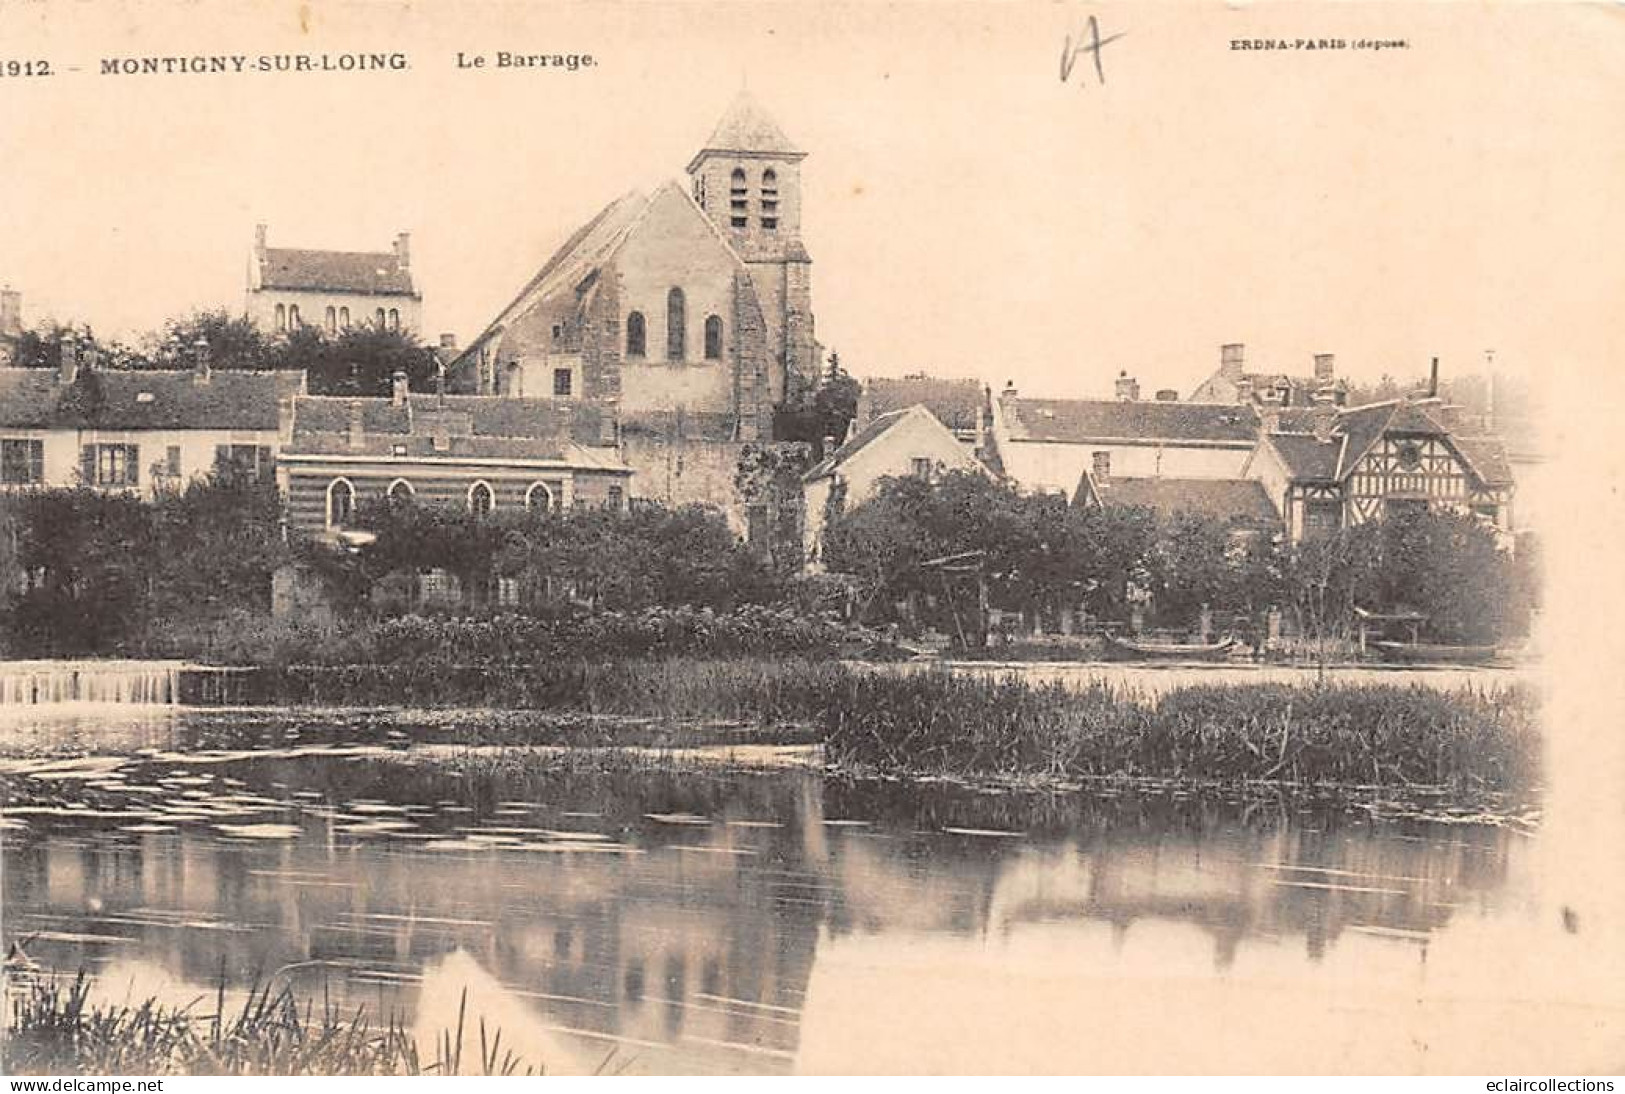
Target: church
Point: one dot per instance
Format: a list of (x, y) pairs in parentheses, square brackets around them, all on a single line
[(683, 317)]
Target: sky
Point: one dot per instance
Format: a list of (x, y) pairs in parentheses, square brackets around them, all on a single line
[(967, 211)]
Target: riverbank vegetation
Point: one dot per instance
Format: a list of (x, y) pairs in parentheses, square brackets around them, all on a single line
[(930, 721), (55, 1028), (190, 574)]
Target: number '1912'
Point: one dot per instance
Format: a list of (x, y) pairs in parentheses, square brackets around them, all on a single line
[(25, 68)]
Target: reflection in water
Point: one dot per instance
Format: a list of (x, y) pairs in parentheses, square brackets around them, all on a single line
[(674, 920)]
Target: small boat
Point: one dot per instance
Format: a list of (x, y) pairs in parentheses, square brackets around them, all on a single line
[(1412, 653), (1125, 649)]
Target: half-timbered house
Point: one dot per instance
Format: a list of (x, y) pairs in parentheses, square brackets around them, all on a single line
[(1328, 467)]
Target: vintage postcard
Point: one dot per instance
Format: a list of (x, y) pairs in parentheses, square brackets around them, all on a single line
[(820, 538)]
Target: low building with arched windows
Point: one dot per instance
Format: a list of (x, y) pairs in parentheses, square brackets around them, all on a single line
[(479, 453)]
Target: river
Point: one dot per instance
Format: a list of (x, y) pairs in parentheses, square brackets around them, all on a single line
[(670, 914)]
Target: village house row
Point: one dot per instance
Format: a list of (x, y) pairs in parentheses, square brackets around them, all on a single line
[(654, 347)]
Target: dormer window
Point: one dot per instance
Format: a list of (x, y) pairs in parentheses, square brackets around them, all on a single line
[(770, 200)]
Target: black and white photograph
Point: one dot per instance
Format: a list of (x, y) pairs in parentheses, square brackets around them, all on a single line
[(704, 538)]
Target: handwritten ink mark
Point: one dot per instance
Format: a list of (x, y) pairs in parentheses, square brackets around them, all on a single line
[(1069, 53)]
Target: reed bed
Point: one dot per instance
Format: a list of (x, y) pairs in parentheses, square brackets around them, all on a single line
[(55, 1028), (934, 721)]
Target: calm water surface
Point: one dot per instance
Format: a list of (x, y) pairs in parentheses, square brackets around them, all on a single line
[(696, 918)]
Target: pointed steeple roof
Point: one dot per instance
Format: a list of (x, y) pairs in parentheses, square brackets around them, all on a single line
[(746, 127)]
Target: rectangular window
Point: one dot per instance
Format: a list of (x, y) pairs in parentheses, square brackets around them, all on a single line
[(22, 462), (612, 499), (172, 461), (562, 380), (241, 462), (1322, 517), (112, 464), (922, 466)]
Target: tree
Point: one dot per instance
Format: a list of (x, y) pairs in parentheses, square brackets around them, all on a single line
[(234, 342), (826, 413)]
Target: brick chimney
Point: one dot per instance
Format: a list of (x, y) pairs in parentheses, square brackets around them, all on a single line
[(1323, 415), (358, 429), (11, 311), (1325, 367), (1231, 356), (403, 250), (398, 388), (201, 363), (1128, 388), (68, 362)]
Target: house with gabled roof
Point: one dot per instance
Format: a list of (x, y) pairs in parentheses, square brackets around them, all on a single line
[(139, 430), (292, 287), (1329, 467), (911, 441), (958, 403), (1048, 444), (478, 453), (1242, 504)]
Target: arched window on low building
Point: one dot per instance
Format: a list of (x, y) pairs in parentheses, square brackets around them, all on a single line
[(676, 325), (293, 316), (281, 317), (539, 497), (344, 318), (331, 320), (481, 498), (637, 335), (394, 319), (340, 503), (378, 318), (713, 337), (401, 492)]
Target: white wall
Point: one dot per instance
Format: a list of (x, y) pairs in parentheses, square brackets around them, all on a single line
[(1056, 466), (61, 449)]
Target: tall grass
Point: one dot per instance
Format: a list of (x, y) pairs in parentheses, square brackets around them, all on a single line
[(55, 1028), (934, 721), (1347, 734)]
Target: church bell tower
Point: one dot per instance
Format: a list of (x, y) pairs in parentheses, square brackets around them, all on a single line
[(747, 179)]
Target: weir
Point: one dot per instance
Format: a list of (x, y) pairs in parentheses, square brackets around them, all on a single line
[(39, 683)]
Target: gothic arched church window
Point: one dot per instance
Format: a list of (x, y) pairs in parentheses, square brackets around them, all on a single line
[(713, 337), (676, 325), (637, 335)]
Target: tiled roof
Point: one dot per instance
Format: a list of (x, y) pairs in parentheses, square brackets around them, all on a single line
[(746, 127), (1487, 456), (1239, 500), (1083, 420), (1306, 457), (335, 271), (144, 399), (570, 266), (864, 437), (956, 403), (479, 426)]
